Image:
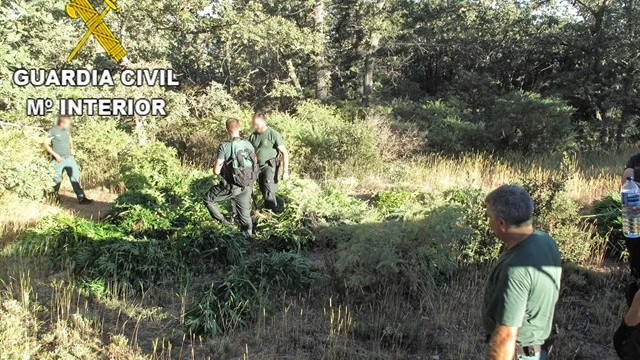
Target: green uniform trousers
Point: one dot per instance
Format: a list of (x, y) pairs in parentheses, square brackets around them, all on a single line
[(241, 198), (70, 166), (268, 183)]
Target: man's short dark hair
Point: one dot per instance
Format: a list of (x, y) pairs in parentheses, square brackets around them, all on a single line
[(512, 204), (259, 115), (233, 124)]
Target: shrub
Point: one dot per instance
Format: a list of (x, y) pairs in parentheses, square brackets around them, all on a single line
[(323, 142), (480, 245), (98, 144), (106, 251), (559, 216), (24, 169), (408, 257), (449, 127), (153, 166), (529, 123), (237, 298), (397, 203), (606, 216)]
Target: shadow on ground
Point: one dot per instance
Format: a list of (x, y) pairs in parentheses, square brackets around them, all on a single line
[(102, 203)]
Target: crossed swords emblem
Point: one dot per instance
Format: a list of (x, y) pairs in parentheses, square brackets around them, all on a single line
[(96, 27)]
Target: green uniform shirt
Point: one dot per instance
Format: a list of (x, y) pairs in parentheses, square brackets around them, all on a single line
[(225, 154), (60, 141), (266, 144), (522, 289)]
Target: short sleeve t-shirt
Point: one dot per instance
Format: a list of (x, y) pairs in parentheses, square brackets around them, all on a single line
[(60, 141), (266, 144), (634, 163), (523, 288), (225, 153)]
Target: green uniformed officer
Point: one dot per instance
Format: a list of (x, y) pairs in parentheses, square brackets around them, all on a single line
[(225, 189), (59, 144), (269, 147), (523, 287)]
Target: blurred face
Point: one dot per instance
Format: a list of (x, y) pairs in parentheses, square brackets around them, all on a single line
[(64, 122), (638, 143), (259, 124)]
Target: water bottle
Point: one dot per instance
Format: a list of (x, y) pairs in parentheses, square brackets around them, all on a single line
[(630, 194)]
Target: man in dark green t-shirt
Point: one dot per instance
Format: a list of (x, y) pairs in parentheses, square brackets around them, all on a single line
[(269, 147), (59, 144), (226, 189), (523, 286)]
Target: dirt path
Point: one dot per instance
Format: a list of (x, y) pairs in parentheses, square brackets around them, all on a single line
[(23, 215), (102, 203)]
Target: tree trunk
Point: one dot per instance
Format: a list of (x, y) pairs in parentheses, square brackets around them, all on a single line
[(374, 43), (293, 76), (322, 74), (369, 65)]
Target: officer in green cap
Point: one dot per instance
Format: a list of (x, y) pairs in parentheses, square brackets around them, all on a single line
[(237, 179), (269, 147), (59, 144)]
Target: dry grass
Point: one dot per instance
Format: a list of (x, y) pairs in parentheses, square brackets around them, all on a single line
[(590, 175)]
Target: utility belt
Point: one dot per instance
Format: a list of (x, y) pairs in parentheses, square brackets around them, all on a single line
[(533, 350), (273, 162)]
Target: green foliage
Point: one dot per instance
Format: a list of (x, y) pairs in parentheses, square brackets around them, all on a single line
[(237, 298), (151, 166), (480, 245), (606, 216), (397, 203), (98, 144), (559, 216), (529, 123), (409, 257), (448, 126), (325, 142), (24, 169)]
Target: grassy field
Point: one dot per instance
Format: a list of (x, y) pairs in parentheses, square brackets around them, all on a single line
[(51, 313)]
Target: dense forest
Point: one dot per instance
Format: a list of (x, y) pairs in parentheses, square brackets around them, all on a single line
[(399, 117), (495, 75)]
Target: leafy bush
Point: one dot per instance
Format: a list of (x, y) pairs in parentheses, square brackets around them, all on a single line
[(106, 251), (449, 127), (151, 166), (98, 144), (606, 216), (24, 169), (396, 203), (529, 123), (559, 216), (237, 298), (409, 257), (323, 141), (480, 244)]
